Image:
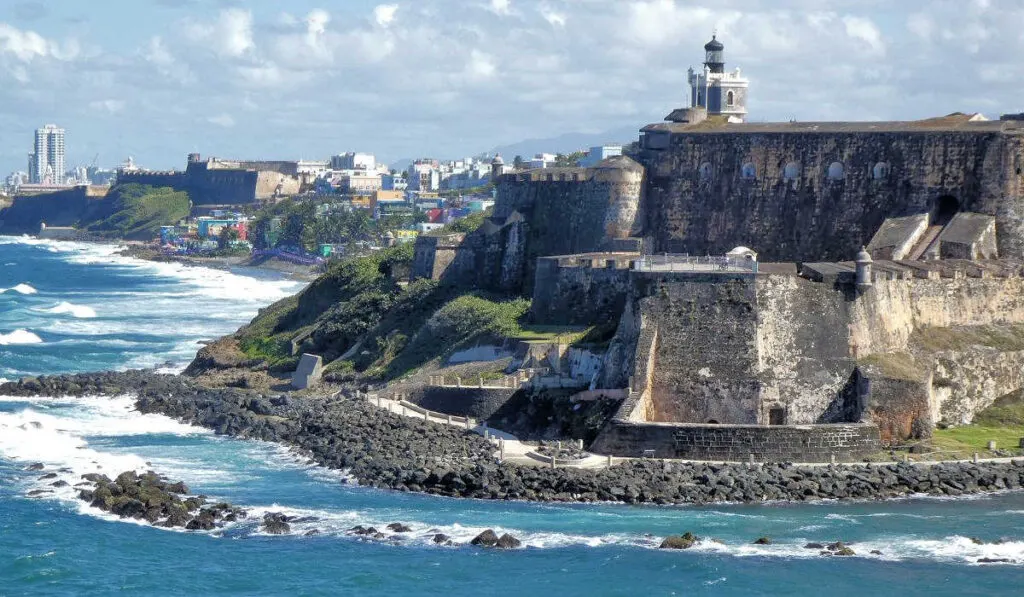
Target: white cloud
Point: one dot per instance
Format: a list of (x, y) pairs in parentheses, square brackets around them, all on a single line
[(230, 35), (316, 25), (555, 19), (921, 25), (384, 14), (111, 106), (28, 45), (659, 22), (501, 7), (481, 65), (224, 120), (865, 30)]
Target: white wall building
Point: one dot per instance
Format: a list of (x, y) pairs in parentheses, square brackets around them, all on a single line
[(599, 153), (46, 163), (354, 161)]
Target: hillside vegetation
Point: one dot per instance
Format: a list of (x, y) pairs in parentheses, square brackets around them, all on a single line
[(138, 211), (366, 321), (130, 211)]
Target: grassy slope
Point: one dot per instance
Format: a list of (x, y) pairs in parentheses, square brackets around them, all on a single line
[(138, 211), (1003, 422), (385, 329)]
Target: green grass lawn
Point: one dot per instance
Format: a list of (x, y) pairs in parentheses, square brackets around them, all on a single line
[(551, 333), (965, 441)]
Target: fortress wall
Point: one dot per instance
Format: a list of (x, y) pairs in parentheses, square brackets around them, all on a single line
[(624, 217), (580, 290), (803, 351), (965, 382), (813, 216), (706, 354), (736, 443), (175, 180), (883, 318)]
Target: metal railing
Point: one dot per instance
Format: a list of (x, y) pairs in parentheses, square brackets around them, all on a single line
[(689, 263)]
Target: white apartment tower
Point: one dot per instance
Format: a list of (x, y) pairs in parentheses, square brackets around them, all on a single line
[(46, 164)]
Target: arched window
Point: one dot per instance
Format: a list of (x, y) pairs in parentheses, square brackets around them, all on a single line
[(791, 171), (730, 98), (705, 172), (880, 171), (749, 171), (836, 171)]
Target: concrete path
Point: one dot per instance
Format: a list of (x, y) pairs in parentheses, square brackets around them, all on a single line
[(517, 452), (509, 447)]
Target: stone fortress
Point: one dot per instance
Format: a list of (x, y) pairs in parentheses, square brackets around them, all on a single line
[(215, 181), (882, 294)]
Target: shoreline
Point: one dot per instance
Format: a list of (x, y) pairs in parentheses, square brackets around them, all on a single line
[(387, 451), (145, 252)]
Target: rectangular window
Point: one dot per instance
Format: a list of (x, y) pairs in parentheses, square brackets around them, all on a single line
[(777, 416)]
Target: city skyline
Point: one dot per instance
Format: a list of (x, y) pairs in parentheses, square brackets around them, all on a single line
[(448, 78)]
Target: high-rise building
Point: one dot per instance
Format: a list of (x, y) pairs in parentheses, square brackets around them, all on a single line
[(46, 164)]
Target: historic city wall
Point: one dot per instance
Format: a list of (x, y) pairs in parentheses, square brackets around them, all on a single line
[(774, 349), (737, 443), (581, 289), (839, 188), (539, 213), (884, 318)]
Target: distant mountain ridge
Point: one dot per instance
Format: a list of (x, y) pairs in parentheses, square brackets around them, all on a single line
[(568, 142), (564, 143)]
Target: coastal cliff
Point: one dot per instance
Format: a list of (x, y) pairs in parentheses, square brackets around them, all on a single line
[(130, 211)]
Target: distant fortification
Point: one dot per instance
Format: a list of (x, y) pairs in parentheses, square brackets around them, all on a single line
[(224, 182)]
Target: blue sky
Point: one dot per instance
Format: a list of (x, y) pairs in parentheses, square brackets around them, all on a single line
[(157, 79)]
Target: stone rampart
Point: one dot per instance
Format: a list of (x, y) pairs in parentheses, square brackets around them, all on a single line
[(581, 289), (792, 192), (737, 443)]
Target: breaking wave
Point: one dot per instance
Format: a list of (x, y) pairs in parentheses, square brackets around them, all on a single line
[(20, 289), (19, 337), (79, 311)]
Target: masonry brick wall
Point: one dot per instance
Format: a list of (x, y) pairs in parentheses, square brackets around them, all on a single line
[(810, 443), (813, 215)]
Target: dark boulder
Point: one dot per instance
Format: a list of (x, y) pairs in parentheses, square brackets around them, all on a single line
[(441, 538), (487, 538), (398, 527), (276, 523), (684, 541), (763, 541), (507, 541)]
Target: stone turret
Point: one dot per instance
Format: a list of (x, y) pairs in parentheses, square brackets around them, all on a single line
[(497, 167), (863, 262)]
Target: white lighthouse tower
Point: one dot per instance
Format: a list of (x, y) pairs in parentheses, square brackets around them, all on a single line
[(717, 91)]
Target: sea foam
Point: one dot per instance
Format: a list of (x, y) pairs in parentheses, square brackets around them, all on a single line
[(19, 337), (20, 289), (66, 308)]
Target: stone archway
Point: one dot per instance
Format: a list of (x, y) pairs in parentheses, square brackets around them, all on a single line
[(946, 207)]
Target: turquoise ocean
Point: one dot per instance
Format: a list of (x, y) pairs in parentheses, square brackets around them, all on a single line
[(77, 307)]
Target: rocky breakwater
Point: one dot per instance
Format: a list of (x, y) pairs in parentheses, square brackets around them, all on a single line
[(388, 451), (156, 500)]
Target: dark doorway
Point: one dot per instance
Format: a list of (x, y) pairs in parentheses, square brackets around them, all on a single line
[(777, 416), (712, 422), (945, 208)]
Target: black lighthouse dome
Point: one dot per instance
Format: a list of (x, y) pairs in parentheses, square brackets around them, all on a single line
[(714, 45), (715, 55)]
